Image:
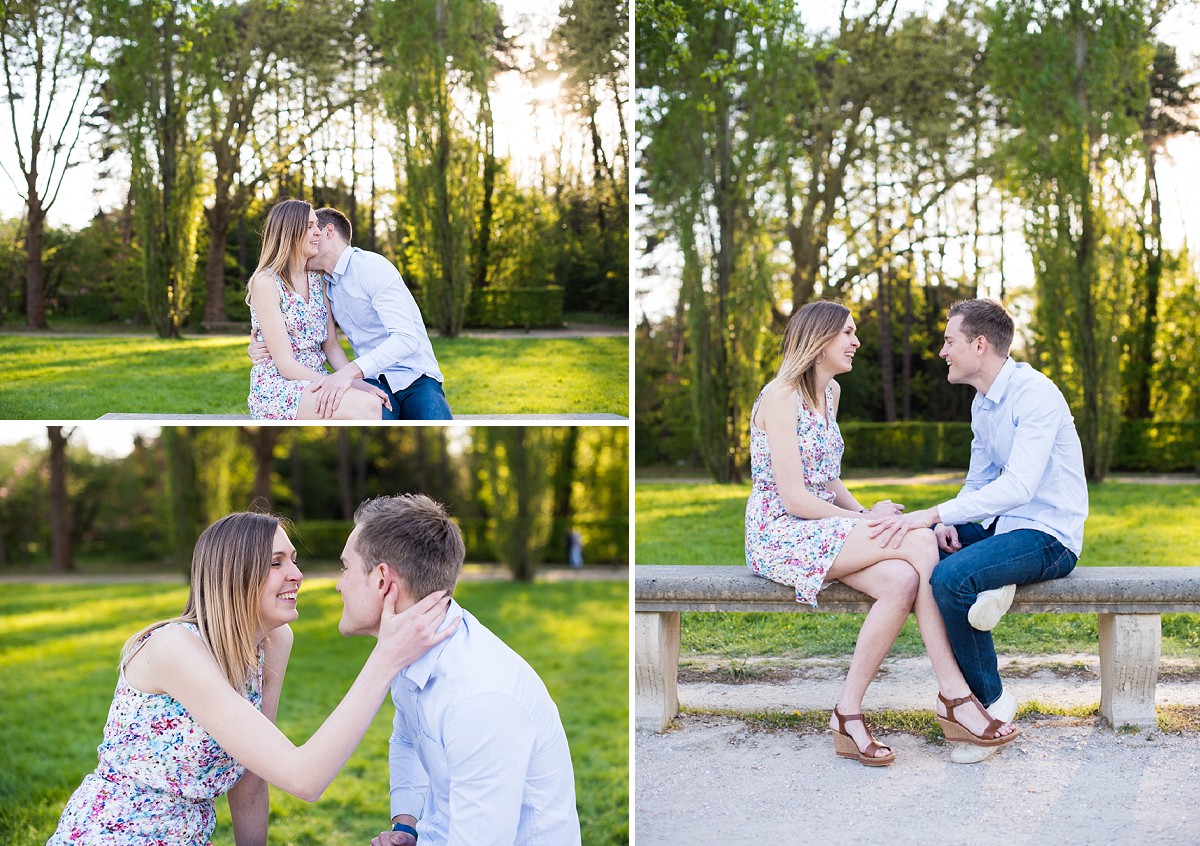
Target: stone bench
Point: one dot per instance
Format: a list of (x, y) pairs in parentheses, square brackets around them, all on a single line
[(1128, 600), (245, 418)]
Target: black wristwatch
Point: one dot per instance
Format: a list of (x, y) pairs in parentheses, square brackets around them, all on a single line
[(407, 829)]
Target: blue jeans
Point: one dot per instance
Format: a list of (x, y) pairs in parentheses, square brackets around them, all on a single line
[(988, 561), (422, 400)]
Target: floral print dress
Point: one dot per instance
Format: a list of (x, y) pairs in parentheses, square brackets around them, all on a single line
[(272, 396), (788, 549), (158, 774)]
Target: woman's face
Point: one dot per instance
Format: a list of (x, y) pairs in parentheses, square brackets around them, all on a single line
[(277, 601), (838, 355), (312, 237)]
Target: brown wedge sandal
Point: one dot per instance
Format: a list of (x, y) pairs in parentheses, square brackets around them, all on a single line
[(956, 732), (845, 746)]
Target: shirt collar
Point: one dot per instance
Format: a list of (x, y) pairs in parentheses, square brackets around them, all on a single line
[(342, 263), (419, 671), (1000, 383)]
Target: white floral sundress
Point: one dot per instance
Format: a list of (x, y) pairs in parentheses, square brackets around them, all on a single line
[(788, 549), (158, 774), (272, 396)]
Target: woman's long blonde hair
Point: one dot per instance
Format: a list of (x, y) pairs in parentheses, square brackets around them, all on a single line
[(283, 240), (808, 331), (230, 563)]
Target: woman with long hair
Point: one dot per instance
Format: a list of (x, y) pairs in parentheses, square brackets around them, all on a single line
[(805, 529), (289, 310), (193, 715)]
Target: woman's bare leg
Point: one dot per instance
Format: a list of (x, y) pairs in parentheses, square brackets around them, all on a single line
[(355, 405)]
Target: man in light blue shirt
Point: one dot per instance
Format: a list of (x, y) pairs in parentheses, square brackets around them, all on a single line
[(375, 309), (478, 753), (1019, 517)]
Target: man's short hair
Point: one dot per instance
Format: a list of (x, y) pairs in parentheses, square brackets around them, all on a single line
[(987, 318), (416, 537), (341, 223)]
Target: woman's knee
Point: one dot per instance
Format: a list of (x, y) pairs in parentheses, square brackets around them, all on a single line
[(921, 551), (901, 580), (358, 405)]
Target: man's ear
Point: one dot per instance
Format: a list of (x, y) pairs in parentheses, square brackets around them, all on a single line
[(382, 577)]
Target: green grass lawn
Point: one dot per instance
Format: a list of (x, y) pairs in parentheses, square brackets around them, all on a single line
[(1129, 524), (58, 659), (83, 378)]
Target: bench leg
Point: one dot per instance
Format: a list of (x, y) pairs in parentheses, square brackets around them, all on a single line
[(1130, 648), (656, 664)]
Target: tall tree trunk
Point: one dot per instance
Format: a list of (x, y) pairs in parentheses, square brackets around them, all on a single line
[(35, 290), (61, 548), (483, 246), (343, 475), (220, 218), (262, 440), (183, 497)]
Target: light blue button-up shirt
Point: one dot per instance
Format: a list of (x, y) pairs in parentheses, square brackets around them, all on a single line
[(377, 312), (1026, 460), (478, 752)]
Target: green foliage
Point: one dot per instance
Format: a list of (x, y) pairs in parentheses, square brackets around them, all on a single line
[(515, 308), (1158, 447), (60, 667), (664, 419), (210, 375)]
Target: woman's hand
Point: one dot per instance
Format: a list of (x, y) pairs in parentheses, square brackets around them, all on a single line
[(406, 636), (886, 508)]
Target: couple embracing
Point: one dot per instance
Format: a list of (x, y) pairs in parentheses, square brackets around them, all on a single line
[(308, 277), (477, 754), (1017, 520)]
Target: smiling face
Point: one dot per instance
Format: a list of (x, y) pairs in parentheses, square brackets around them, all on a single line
[(965, 357), (312, 237), (277, 599), (838, 355)]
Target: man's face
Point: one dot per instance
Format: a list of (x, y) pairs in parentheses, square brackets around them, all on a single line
[(963, 355), (362, 592), (325, 247)]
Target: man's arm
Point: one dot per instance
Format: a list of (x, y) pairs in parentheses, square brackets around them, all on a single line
[(398, 312), (1033, 441), (489, 742), (407, 775)]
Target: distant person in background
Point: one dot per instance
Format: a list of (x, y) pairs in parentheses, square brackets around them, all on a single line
[(193, 715), (805, 529), (1019, 517), (289, 311), (373, 306), (574, 550)]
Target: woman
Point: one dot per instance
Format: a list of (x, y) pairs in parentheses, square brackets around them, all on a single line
[(194, 709), (804, 529), (289, 310)]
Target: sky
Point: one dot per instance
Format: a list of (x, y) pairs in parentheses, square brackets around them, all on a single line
[(526, 128), (112, 438)]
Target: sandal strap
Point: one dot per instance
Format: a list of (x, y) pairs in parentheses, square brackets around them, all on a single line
[(994, 725), (848, 718), (873, 745)]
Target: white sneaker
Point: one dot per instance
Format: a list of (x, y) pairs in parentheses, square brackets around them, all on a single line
[(990, 606), (1003, 709)]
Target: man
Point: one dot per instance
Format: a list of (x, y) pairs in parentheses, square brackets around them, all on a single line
[(1025, 483), (478, 753), (375, 309)]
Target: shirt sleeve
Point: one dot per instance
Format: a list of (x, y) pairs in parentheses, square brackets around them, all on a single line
[(408, 780), (398, 312), (1038, 420), (489, 743)]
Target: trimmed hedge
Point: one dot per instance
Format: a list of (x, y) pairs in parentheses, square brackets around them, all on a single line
[(1158, 447), (604, 541), (515, 308)]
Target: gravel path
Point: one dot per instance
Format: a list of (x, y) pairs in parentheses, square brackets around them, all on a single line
[(1066, 781)]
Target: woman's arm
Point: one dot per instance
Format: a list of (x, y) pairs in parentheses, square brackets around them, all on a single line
[(264, 296), (779, 412), (181, 666), (249, 800)]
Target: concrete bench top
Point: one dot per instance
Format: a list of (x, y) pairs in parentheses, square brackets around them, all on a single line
[(1128, 590), (245, 418)]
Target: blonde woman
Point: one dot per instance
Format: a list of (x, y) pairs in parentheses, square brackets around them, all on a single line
[(289, 310), (193, 716), (805, 529)]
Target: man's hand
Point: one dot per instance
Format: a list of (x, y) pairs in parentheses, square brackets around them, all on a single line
[(257, 350), (329, 390), (947, 538), (891, 530), (382, 395), (397, 838)]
